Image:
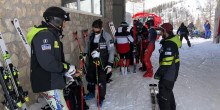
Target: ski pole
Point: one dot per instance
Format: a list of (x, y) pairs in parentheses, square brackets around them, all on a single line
[(96, 65)]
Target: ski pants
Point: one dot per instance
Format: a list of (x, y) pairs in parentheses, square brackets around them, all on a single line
[(126, 56), (207, 34), (166, 98), (92, 79), (55, 99), (186, 37), (147, 55)]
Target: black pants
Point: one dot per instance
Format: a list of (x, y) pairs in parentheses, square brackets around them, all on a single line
[(125, 55), (92, 80), (166, 98), (186, 37)]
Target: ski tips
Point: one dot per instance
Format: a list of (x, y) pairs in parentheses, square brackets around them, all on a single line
[(153, 85)]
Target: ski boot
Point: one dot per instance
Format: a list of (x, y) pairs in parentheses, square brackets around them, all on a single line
[(89, 96), (148, 75), (123, 71), (100, 103)]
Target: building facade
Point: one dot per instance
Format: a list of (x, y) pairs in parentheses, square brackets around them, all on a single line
[(30, 12)]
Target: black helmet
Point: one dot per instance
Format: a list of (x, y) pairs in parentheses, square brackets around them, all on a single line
[(56, 16), (150, 23), (124, 24)]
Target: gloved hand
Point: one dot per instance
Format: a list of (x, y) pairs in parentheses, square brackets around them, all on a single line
[(71, 70), (158, 74), (108, 68), (95, 54)]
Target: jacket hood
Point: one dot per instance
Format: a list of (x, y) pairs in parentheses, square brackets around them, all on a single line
[(34, 30), (176, 40)]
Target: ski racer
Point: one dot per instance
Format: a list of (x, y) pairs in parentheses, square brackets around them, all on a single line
[(99, 46), (169, 67), (150, 48), (123, 40), (47, 59)]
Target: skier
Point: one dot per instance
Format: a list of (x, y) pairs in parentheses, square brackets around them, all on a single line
[(47, 65), (150, 48), (169, 67), (207, 30), (123, 40), (99, 46), (184, 33), (191, 29)]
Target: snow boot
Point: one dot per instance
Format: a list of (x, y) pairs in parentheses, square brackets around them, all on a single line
[(89, 96), (189, 44)]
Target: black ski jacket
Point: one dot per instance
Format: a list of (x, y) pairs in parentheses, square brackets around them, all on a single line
[(183, 30), (169, 58), (47, 63)]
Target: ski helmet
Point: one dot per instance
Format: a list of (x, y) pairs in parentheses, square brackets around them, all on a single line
[(150, 23), (56, 16), (167, 26)]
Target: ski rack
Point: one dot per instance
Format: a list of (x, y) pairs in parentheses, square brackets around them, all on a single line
[(13, 72), (17, 26)]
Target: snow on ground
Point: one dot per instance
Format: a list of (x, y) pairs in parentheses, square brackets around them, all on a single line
[(197, 87)]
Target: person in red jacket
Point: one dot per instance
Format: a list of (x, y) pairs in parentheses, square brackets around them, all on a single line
[(150, 48), (123, 40)]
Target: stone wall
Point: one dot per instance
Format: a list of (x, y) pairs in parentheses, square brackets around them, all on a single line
[(29, 13), (216, 39)]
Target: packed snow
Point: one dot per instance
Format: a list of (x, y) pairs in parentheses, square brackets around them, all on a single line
[(197, 87)]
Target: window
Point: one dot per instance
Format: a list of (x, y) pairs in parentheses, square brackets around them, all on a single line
[(86, 5), (89, 6), (72, 4), (97, 6)]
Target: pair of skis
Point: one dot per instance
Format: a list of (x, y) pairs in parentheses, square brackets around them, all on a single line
[(15, 96), (153, 94)]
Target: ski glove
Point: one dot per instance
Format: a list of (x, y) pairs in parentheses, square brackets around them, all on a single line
[(71, 71), (108, 68), (158, 74), (95, 54)]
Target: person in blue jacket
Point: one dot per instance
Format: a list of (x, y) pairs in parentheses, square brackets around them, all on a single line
[(207, 30)]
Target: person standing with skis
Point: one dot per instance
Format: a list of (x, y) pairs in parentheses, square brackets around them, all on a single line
[(169, 67), (99, 48), (47, 65), (123, 40), (150, 48)]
